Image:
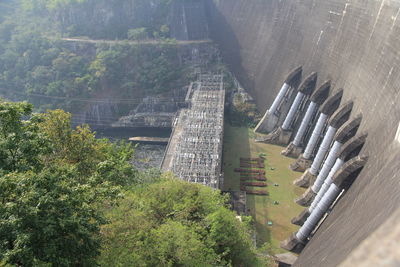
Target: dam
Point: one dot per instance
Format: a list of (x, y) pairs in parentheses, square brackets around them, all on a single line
[(321, 79), (339, 118)]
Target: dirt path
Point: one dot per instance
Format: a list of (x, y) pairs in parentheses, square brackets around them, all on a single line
[(149, 42)]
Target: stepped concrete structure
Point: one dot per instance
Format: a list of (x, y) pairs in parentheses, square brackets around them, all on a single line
[(353, 219)]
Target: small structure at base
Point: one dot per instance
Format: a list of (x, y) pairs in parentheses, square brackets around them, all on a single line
[(285, 260), (149, 140), (237, 201)]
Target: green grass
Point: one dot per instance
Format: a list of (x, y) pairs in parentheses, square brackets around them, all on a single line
[(239, 142)]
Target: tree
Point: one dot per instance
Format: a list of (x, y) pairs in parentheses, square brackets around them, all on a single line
[(21, 142), (229, 239), (48, 217), (176, 244), (137, 34), (164, 31), (54, 179), (77, 147), (92, 157), (175, 223)]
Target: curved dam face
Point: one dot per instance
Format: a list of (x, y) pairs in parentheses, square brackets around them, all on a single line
[(356, 45)]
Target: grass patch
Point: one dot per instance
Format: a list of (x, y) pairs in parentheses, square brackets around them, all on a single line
[(239, 142)]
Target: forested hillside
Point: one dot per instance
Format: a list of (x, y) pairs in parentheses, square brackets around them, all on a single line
[(69, 199), (37, 66), (33, 67), (101, 18)]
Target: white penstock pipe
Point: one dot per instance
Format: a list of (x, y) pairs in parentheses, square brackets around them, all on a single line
[(312, 108), (315, 135), (326, 142), (328, 181), (317, 214), (279, 98), (292, 112), (327, 166)]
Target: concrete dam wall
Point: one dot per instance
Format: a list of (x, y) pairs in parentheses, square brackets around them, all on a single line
[(356, 45)]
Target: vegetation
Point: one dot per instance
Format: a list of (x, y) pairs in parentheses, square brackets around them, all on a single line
[(242, 110), (36, 66), (46, 71), (52, 179), (242, 113), (239, 142), (69, 199), (174, 223), (86, 17)]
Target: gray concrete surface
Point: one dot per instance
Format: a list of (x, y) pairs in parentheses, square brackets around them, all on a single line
[(355, 44)]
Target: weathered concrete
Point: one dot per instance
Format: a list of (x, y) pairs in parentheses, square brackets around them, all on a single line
[(293, 244), (308, 196), (318, 97), (188, 21), (349, 150), (336, 121), (285, 260), (304, 161), (283, 134), (302, 217), (301, 164), (354, 43), (387, 253), (282, 102), (342, 181), (347, 131)]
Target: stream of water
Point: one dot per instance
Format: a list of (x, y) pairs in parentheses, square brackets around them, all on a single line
[(146, 155)]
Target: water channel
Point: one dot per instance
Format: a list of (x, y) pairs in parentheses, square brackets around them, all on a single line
[(146, 155)]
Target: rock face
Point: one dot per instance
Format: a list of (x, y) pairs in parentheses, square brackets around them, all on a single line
[(112, 19), (100, 18), (355, 44), (188, 20)]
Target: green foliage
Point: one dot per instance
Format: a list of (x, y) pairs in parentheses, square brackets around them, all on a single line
[(58, 193), (229, 238), (59, 185), (137, 34), (36, 65), (152, 69), (20, 141), (116, 168), (79, 147), (39, 67), (164, 31), (174, 223), (48, 217), (122, 15), (242, 113), (54, 179)]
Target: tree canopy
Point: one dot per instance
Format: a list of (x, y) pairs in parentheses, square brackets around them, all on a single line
[(53, 180), (69, 199), (35, 65), (174, 223)]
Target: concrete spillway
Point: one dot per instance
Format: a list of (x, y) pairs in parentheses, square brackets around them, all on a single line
[(356, 45)]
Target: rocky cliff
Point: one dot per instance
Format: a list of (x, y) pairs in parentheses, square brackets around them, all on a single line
[(185, 19)]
